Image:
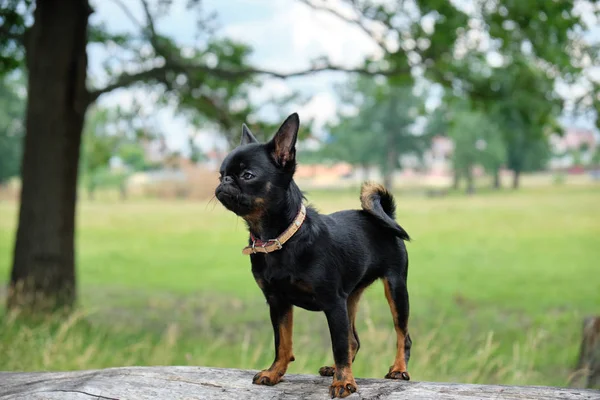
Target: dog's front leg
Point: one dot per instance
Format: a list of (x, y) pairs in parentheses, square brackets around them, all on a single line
[(339, 327), (282, 318)]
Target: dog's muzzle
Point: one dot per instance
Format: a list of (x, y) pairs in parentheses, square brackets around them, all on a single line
[(232, 198)]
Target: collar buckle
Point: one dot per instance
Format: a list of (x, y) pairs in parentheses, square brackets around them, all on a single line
[(275, 241)]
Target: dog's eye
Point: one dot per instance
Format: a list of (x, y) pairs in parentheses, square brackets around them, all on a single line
[(247, 176)]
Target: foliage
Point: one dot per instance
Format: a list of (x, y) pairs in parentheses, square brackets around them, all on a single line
[(538, 156), (97, 149), (14, 18), (505, 56), (12, 107), (113, 134), (132, 154), (431, 35), (208, 83), (477, 140), (525, 106), (379, 127), (595, 161)]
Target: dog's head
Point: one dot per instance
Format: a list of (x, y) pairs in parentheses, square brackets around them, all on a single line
[(256, 176)]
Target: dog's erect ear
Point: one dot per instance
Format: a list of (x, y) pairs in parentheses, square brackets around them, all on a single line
[(247, 136), (283, 143)]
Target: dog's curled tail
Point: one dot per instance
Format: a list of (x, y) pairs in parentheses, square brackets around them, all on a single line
[(377, 201)]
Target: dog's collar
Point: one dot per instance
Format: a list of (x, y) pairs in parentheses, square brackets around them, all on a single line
[(258, 246)]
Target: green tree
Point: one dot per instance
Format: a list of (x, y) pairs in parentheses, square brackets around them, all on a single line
[(97, 149), (114, 133), (133, 156), (11, 128), (380, 130), (477, 141), (522, 101), (493, 152), (196, 154), (349, 140), (506, 56)]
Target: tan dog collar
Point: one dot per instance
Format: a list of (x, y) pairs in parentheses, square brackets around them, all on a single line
[(258, 246)]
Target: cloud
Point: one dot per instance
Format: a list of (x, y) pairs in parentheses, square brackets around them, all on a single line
[(290, 35), (321, 108)]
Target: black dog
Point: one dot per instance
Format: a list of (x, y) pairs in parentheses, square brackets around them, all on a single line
[(317, 262)]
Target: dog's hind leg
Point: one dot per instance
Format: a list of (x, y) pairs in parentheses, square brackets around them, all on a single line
[(397, 297), (353, 337)]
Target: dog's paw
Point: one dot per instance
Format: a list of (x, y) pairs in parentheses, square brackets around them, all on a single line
[(343, 387), (326, 371), (267, 377), (403, 375)]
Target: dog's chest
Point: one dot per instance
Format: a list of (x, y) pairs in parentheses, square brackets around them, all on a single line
[(285, 283), (297, 292)]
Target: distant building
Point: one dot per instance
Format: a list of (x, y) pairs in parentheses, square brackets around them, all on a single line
[(437, 157), (575, 146)]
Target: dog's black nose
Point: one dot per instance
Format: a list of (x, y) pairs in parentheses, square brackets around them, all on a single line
[(228, 179)]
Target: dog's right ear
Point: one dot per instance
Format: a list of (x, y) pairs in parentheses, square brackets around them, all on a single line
[(247, 136)]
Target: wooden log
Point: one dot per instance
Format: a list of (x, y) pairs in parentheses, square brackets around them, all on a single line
[(588, 365), (215, 383)]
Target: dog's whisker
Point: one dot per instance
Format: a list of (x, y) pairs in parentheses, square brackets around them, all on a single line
[(214, 197)]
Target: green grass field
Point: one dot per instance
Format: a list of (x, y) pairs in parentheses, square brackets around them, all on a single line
[(499, 285)]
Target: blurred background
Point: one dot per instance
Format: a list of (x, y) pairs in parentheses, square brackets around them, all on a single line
[(480, 116)]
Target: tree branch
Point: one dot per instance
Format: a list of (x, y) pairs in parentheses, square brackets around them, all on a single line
[(357, 22), (125, 80), (174, 63), (149, 20), (158, 73), (128, 12)]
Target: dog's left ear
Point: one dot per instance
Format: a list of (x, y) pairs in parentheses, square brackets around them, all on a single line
[(247, 136), (283, 144)]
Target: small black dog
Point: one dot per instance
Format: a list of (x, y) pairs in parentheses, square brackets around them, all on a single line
[(317, 262)]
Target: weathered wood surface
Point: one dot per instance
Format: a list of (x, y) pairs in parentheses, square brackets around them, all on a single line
[(214, 383)]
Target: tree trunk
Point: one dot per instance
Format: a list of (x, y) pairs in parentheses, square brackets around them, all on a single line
[(456, 180), (43, 273), (91, 192), (365, 168), (123, 191), (588, 364), (497, 184), (516, 178), (470, 181), (390, 166)]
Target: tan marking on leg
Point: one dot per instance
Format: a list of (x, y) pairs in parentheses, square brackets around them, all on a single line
[(352, 304), (352, 309), (399, 363), (285, 355)]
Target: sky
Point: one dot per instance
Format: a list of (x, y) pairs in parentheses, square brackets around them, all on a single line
[(285, 36)]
